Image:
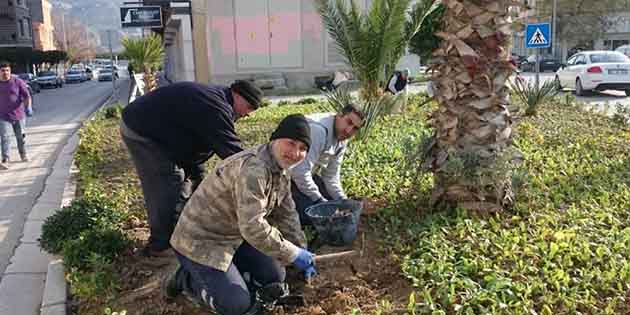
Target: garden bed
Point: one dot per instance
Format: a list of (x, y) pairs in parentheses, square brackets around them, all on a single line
[(563, 249)]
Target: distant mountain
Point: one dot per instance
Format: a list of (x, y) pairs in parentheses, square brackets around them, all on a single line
[(97, 14)]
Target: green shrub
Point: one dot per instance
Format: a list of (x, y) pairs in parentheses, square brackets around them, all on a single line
[(97, 284), (68, 223), (307, 100), (265, 102), (102, 242), (113, 112), (284, 102)]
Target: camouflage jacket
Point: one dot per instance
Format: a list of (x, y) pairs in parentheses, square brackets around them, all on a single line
[(246, 197)]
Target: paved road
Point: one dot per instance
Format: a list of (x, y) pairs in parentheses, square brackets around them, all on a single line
[(58, 114)]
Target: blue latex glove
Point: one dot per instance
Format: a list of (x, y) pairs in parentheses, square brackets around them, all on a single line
[(304, 260), (310, 272), (29, 111)]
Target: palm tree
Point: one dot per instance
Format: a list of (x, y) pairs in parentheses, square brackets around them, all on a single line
[(470, 154), (372, 42), (145, 56)]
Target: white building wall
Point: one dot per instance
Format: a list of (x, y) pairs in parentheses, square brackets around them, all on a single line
[(251, 39)]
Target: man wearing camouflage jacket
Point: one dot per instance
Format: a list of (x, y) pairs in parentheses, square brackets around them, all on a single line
[(242, 220)]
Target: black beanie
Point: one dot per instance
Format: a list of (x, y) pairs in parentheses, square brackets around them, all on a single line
[(251, 93), (294, 127)]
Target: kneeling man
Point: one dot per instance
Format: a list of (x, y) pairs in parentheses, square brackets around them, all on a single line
[(318, 177), (240, 228)]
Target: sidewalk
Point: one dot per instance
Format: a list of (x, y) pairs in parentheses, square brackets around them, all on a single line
[(34, 281)]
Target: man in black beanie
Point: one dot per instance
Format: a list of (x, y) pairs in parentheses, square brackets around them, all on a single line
[(240, 220), (170, 133)]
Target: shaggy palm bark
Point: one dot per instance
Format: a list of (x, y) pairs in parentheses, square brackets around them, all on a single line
[(472, 124)]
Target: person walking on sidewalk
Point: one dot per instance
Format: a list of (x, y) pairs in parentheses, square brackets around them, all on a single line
[(242, 220), (170, 133), (15, 104)]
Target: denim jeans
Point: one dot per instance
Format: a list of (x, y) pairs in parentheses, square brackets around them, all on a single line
[(19, 128), (303, 201), (227, 292)]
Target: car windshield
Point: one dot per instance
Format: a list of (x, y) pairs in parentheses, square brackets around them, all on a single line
[(46, 74), (106, 71), (74, 72), (608, 58)]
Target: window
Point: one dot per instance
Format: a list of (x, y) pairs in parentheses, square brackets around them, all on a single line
[(571, 61), (612, 57), (21, 24), (27, 21), (581, 60)]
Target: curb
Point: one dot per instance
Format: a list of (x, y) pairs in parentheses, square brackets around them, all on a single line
[(55, 295)]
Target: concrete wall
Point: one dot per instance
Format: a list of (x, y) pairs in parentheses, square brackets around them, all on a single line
[(179, 59), (238, 46)]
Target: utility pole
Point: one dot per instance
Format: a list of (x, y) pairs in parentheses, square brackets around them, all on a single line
[(554, 16), (111, 60), (63, 29)]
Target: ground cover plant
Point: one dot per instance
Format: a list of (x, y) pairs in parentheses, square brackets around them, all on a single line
[(564, 248)]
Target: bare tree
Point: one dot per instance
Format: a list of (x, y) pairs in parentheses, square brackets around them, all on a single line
[(73, 36)]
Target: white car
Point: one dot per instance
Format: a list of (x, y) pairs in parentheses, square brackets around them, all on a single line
[(595, 71)]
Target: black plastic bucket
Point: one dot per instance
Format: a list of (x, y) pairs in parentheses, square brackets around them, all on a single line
[(336, 229)]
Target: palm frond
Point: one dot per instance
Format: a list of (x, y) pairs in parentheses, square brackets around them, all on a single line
[(145, 54), (531, 95), (369, 41), (373, 109)]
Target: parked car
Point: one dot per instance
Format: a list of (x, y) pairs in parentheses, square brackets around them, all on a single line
[(624, 49), (31, 80), (76, 76), (595, 71), (547, 63), (105, 75), (49, 78)]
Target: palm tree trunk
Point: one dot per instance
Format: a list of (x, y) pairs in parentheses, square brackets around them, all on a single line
[(472, 125)]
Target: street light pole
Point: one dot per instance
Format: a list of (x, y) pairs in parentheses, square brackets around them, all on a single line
[(553, 27), (111, 61)]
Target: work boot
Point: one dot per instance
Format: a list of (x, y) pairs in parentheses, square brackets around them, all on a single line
[(23, 157), (149, 251), (168, 287)]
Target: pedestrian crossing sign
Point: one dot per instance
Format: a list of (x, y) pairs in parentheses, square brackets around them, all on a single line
[(538, 35)]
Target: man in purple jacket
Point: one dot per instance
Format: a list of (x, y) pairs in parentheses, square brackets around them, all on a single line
[(14, 101), (170, 133)]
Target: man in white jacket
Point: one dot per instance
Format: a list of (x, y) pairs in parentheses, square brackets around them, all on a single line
[(317, 178)]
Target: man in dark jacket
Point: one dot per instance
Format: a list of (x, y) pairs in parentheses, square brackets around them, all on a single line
[(398, 82), (170, 133)]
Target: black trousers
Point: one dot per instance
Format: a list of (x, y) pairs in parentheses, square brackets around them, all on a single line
[(227, 292), (166, 187)]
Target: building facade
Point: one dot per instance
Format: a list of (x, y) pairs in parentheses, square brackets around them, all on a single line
[(15, 24), (278, 41), (43, 29)]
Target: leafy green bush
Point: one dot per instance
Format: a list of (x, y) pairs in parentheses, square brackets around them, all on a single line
[(103, 242), (284, 103), (97, 283), (113, 112), (82, 214), (306, 101)]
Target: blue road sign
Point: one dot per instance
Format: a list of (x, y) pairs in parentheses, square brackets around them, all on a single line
[(538, 35)]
